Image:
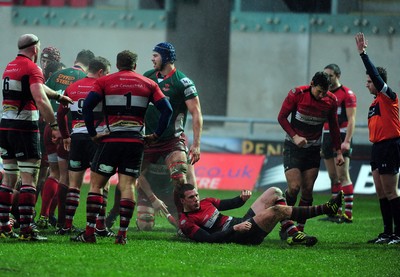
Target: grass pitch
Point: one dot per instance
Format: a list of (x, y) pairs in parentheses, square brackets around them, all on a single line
[(341, 251)]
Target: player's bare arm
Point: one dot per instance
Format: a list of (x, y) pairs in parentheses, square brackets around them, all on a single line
[(194, 108)]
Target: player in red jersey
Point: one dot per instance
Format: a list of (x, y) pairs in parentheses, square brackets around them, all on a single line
[(309, 107), (172, 148), (48, 56), (56, 185), (384, 133), (202, 221), (125, 96), (50, 61), (340, 175), (24, 95), (79, 144)]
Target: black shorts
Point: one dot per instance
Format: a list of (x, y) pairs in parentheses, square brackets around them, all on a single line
[(301, 158), (327, 149), (42, 125), (254, 236), (81, 152), (385, 156), (126, 157), (20, 145)]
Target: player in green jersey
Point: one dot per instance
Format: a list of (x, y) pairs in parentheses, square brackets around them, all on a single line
[(172, 146), (57, 182)]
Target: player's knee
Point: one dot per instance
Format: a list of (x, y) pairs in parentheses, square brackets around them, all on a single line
[(29, 167), (52, 158), (178, 170), (11, 169), (278, 212), (278, 192), (273, 192)]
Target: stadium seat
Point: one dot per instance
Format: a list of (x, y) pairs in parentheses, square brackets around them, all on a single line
[(56, 3), (79, 3), (32, 2)]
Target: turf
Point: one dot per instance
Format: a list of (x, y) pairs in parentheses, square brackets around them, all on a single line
[(341, 251)]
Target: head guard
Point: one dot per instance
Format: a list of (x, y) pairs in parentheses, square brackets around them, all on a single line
[(51, 53), (167, 52)]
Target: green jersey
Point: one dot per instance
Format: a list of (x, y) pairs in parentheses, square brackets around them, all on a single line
[(177, 88), (61, 79)]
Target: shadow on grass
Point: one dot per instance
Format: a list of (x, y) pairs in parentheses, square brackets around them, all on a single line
[(7, 270)]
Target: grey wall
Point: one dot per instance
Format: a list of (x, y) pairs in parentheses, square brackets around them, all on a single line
[(106, 42), (268, 65), (202, 42)]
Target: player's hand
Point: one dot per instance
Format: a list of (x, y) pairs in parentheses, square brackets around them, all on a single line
[(65, 100), (172, 221), (345, 147), (299, 141), (159, 207), (99, 136), (55, 136), (245, 195), (67, 144), (170, 218), (242, 227), (339, 159), (361, 42), (194, 154), (150, 139)]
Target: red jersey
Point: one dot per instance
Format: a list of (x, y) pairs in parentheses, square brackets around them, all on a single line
[(346, 99), (77, 91), (19, 109), (207, 217), (383, 118), (308, 116), (126, 95)]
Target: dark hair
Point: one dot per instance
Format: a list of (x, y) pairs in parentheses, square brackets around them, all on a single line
[(335, 68), (84, 57), (126, 60), (52, 67), (321, 79), (98, 63), (382, 72), (183, 188)]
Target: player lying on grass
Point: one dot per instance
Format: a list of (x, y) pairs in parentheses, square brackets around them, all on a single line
[(202, 221)]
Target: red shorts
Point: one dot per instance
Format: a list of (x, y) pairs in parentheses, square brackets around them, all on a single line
[(162, 149)]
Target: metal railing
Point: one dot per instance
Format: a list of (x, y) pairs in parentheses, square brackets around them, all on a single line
[(251, 122)]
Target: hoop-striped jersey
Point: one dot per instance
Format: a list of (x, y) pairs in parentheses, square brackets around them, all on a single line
[(207, 218), (19, 109), (308, 116), (77, 92), (126, 95), (346, 99)]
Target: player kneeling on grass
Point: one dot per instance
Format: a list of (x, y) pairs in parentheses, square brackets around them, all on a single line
[(202, 221)]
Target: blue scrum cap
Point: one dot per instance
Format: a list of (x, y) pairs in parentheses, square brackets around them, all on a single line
[(167, 52)]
